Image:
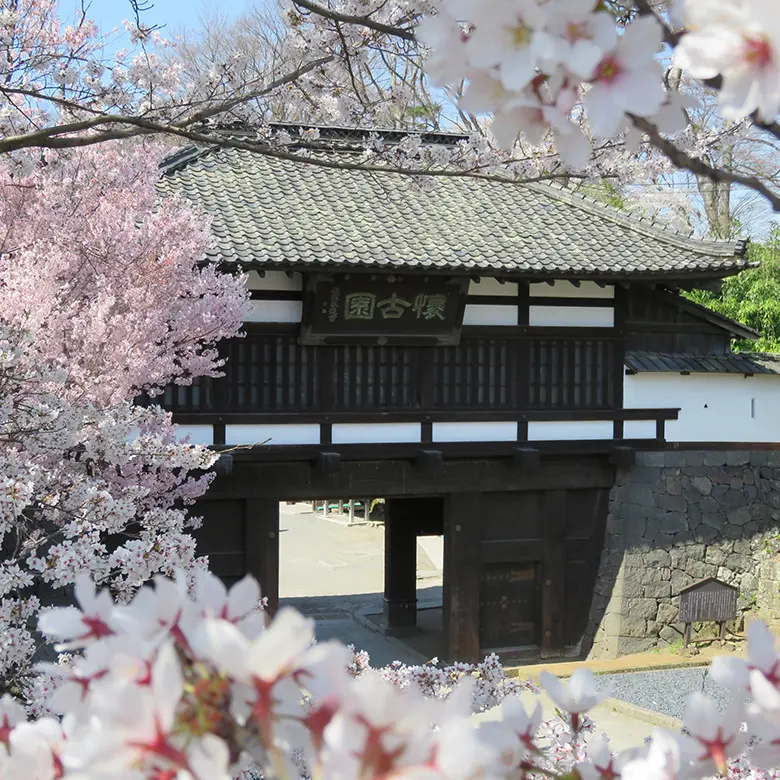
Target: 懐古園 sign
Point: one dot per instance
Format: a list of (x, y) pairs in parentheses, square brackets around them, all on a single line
[(362, 308)]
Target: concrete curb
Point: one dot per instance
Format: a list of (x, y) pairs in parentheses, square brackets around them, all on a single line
[(640, 713), (517, 671)]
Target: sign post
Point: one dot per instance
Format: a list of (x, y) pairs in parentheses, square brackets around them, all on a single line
[(708, 600)]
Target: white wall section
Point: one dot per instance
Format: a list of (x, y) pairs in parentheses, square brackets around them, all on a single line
[(713, 407), (572, 316), (274, 280), (639, 429), (490, 286), (474, 431), (274, 311), (565, 289), (486, 314), (272, 434), (199, 434), (376, 433), (574, 430)]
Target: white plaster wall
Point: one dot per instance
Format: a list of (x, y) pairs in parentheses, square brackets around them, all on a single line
[(490, 286), (273, 280), (272, 434), (274, 311), (572, 316), (199, 434), (487, 314), (382, 433), (565, 289), (574, 430), (475, 431), (714, 407), (639, 429)]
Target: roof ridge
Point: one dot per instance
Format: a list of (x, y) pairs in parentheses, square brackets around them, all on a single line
[(650, 228), (182, 157)]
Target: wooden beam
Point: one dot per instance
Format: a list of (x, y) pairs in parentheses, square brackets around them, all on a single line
[(623, 456), (329, 463), (462, 570), (400, 596), (553, 572), (302, 480), (431, 461), (261, 535), (528, 458), (224, 465)]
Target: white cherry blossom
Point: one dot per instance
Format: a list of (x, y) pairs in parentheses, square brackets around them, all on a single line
[(576, 696), (718, 736), (503, 37), (627, 80), (740, 41)]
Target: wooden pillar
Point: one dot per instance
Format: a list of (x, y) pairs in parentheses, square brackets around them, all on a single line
[(400, 566), (262, 547), (553, 572), (462, 569)]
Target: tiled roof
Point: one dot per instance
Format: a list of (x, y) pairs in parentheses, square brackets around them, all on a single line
[(734, 363), (272, 212)]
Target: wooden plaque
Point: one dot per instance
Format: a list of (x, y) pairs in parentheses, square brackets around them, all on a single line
[(379, 309)]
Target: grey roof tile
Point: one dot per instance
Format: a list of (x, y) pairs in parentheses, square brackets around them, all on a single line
[(734, 363), (272, 212)]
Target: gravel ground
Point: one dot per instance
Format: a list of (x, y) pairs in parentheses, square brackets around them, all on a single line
[(664, 690)]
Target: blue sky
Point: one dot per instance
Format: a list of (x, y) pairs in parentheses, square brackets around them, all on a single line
[(171, 13)]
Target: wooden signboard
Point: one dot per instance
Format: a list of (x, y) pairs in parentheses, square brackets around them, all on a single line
[(708, 600), (378, 309)]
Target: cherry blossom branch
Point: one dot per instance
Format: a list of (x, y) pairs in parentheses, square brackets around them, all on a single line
[(695, 165), (362, 21), (68, 137)]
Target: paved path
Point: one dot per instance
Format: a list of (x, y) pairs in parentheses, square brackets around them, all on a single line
[(335, 573)]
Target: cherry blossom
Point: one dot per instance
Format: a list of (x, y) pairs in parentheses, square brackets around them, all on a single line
[(576, 696), (719, 736), (627, 80), (231, 703), (739, 40)]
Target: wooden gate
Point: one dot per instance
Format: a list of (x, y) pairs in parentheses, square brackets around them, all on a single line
[(509, 606)]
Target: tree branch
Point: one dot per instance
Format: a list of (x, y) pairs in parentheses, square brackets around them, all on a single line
[(141, 126), (363, 21), (698, 167)]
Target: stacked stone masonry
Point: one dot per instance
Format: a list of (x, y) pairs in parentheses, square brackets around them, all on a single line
[(676, 518)]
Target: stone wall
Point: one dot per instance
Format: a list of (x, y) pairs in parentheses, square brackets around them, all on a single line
[(674, 519)]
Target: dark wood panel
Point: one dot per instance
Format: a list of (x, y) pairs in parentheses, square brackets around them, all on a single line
[(508, 606), (512, 516), (222, 530), (586, 516), (554, 573), (489, 370), (512, 550)]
